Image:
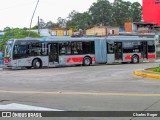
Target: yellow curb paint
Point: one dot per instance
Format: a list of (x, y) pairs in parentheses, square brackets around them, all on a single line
[(80, 93), (146, 75)]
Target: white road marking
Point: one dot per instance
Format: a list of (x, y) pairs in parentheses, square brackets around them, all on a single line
[(16, 106)]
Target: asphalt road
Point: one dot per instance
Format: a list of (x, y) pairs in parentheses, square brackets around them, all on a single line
[(93, 88)]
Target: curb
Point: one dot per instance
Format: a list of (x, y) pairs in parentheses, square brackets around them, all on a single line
[(142, 74)]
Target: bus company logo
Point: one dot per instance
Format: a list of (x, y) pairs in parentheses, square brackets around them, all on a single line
[(6, 114)]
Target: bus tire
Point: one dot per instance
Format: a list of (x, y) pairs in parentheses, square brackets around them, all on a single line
[(135, 59), (87, 61), (36, 64)]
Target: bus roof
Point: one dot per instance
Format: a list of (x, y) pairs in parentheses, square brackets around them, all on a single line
[(67, 38), (129, 39), (72, 38)]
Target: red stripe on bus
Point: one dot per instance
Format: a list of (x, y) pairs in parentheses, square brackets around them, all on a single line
[(79, 59), (93, 59), (128, 57), (151, 56)]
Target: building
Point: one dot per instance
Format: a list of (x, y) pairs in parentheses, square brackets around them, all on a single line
[(151, 11), (61, 32), (43, 32), (140, 27), (102, 31)]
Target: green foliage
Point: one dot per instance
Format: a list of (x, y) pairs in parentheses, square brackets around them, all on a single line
[(158, 54), (136, 12), (105, 13), (101, 13), (156, 69), (19, 33), (15, 33), (121, 13), (79, 20), (34, 27)]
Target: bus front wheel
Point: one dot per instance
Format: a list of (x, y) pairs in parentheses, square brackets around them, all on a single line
[(87, 61), (36, 64), (135, 59)]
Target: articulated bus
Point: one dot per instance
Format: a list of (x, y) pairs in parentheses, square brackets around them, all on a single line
[(51, 52)]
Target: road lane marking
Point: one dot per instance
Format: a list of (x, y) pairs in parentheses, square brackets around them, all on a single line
[(80, 93), (16, 106)]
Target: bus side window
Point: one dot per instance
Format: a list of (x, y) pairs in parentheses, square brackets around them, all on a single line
[(88, 47), (65, 48), (151, 47), (61, 49), (110, 48), (76, 48), (36, 49), (44, 49), (23, 49)]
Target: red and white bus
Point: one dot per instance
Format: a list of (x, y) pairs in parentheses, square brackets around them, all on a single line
[(60, 51)]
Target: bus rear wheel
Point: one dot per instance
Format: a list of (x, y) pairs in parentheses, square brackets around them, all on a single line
[(135, 59), (36, 64), (87, 61)]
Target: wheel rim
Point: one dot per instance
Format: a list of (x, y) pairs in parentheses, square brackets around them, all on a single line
[(38, 64), (87, 62), (135, 59)]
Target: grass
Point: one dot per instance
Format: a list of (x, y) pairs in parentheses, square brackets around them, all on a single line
[(158, 54), (156, 69)]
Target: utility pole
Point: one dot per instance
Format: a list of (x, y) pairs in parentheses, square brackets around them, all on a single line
[(38, 26), (32, 17)]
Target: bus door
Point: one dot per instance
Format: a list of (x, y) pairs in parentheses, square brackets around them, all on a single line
[(144, 49), (118, 50), (53, 52)]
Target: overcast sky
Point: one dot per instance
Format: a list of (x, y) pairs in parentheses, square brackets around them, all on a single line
[(17, 13)]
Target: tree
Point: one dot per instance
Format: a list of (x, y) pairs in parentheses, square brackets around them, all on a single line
[(6, 29), (125, 11), (35, 27), (61, 22), (16, 33), (136, 11), (49, 25), (121, 12), (78, 20), (101, 12)]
